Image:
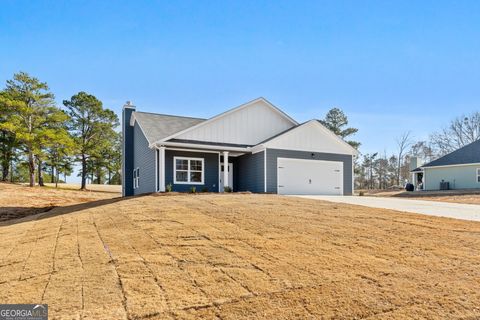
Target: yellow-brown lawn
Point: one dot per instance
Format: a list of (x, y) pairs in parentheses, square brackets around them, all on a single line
[(238, 256)]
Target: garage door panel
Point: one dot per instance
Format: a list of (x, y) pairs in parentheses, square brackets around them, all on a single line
[(299, 176)]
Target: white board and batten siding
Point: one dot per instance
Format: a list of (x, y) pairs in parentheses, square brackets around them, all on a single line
[(309, 177), (310, 159), (248, 125), (311, 136)]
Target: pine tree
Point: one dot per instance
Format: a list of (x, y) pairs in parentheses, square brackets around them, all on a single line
[(91, 125), (33, 118), (336, 121)]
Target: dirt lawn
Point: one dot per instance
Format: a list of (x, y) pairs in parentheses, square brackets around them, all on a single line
[(454, 196), (22, 201), (240, 256), (91, 187), (466, 198)]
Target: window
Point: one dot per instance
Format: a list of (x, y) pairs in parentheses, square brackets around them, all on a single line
[(478, 175), (136, 178), (188, 170)]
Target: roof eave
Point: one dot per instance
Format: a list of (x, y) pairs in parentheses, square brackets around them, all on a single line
[(198, 146)]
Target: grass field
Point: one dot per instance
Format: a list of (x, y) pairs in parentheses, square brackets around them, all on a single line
[(90, 187), (22, 201), (238, 256)]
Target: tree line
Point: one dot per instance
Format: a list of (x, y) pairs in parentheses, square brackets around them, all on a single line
[(381, 171), (39, 140)]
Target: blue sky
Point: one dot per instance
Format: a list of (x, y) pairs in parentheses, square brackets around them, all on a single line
[(391, 66)]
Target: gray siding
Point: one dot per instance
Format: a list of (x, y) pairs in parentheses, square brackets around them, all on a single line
[(144, 159), (211, 170), (248, 172), (273, 154), (459, 177)]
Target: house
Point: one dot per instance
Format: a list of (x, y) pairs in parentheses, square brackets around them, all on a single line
[(254, 147), (459, 169)]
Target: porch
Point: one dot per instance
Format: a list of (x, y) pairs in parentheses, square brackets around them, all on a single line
[(182, 169), (418, 179)]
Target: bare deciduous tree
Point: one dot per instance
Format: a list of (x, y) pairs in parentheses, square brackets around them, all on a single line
[(460, 132), (423, 150), (403, 143)]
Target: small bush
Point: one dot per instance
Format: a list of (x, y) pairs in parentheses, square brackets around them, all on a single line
[(227, 189), (168, 187), (361, 193), (204, 189), (193, 190)]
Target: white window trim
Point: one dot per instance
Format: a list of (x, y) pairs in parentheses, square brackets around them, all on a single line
[(188, 170), (136, 178), (478, 175)]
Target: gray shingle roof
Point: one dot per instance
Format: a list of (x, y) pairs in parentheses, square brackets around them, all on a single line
[(467, 154), (158, 126)]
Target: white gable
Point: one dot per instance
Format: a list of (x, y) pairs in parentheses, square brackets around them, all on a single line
[(248, 124), (311, 136)]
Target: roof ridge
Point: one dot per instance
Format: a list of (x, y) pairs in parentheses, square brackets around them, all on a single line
[(445, 156), (170, 115)]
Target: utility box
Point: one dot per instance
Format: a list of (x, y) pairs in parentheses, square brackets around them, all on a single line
[(444, 185)]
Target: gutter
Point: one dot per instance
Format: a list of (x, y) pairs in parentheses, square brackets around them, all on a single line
[(199, 146)]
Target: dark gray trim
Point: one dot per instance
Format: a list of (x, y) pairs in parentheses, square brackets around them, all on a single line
[(127, 152), (281, 133), (274, 154), (209, 143), (210, 170)]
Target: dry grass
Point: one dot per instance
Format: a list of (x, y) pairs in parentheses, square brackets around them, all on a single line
[(241, 256), (90, 187), (22, 201), (454, 196), (469, 199)]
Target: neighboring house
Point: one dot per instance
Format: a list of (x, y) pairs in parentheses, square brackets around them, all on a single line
[(460, 168), (255, 147)]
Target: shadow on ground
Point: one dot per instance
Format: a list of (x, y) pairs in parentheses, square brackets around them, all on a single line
[(14, 215)]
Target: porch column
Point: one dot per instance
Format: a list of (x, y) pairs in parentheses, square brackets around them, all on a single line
[(161, 167), (225, 169)]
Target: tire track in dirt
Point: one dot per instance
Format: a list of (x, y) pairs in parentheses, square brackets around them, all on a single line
[(119, 280), (79, 256), (53, 260), (142, 259)]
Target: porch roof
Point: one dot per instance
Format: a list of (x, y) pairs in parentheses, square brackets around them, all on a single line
[(210, 143)]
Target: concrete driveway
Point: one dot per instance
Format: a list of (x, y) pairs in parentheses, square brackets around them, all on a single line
[(433, 208)]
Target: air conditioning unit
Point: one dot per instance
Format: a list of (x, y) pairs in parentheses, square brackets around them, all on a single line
[(444, 185)]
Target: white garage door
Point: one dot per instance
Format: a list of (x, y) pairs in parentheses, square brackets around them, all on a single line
[(298, 176)]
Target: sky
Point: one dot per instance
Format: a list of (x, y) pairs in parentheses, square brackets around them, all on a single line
[(391, 66)]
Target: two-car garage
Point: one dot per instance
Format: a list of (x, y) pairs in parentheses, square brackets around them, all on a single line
[(309, 160), (305, 176)]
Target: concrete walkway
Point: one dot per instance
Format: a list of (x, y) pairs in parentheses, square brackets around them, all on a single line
[(433, 208)]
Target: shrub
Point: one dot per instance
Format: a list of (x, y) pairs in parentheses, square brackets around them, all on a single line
[(193, 190), (227, 189), (361, 193), (204, 189), (168, 187)]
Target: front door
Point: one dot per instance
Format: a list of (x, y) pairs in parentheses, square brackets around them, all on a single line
[(230, 176)]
